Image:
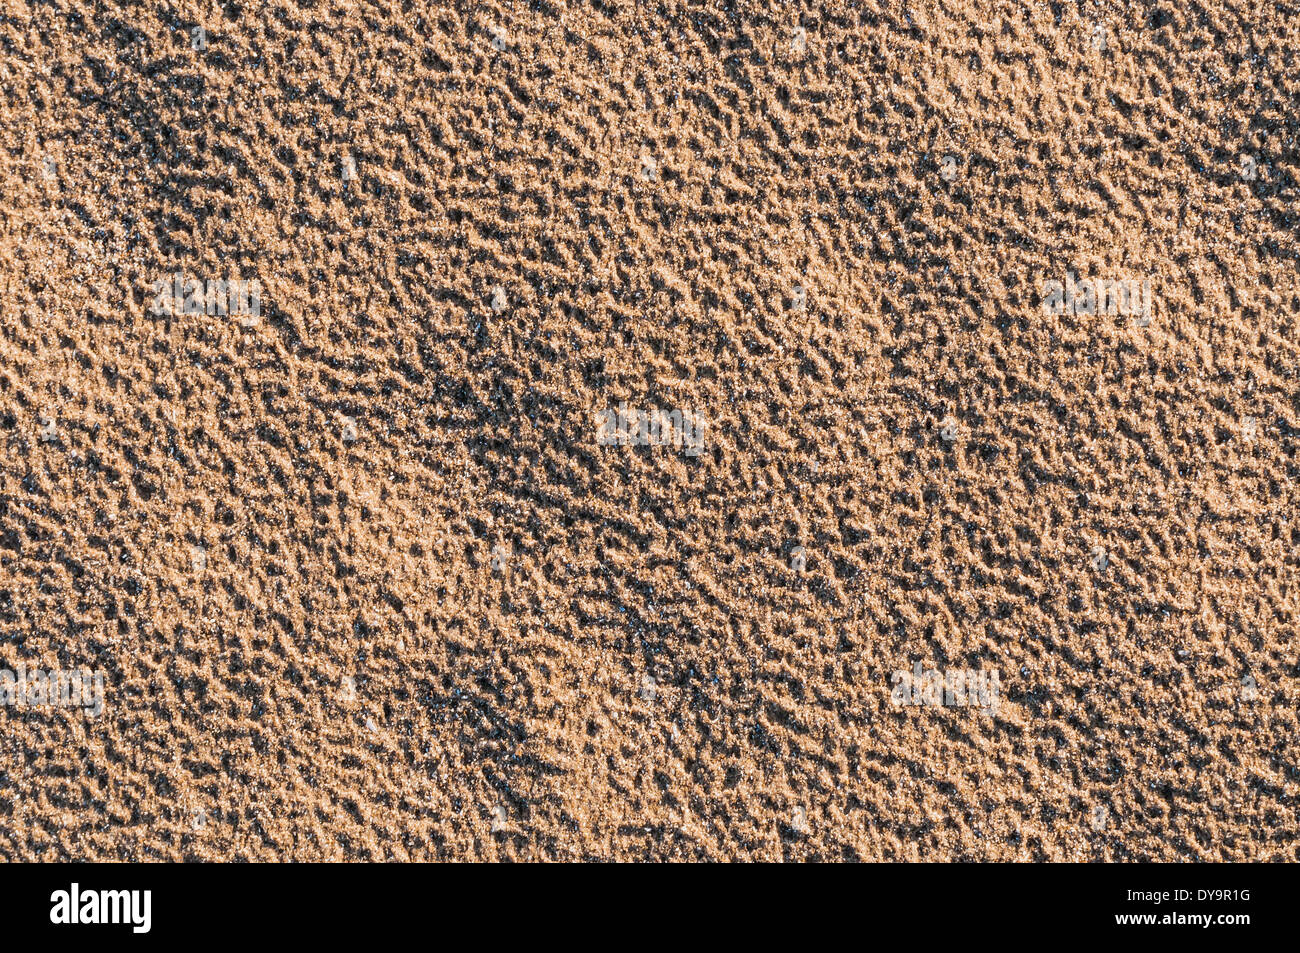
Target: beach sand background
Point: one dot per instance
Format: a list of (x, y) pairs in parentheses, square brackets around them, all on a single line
[(363, 584)]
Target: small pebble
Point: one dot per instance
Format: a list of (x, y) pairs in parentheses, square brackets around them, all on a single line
[(799, 821)]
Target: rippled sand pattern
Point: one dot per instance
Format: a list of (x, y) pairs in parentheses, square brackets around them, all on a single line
[(364, 585)]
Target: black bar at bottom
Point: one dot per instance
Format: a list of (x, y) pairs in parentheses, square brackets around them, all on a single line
[(338, 902)]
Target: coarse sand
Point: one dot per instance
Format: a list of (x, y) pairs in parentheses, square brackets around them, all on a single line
[(947, 506)]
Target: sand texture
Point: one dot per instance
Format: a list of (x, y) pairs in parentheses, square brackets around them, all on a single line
[(362, 577)]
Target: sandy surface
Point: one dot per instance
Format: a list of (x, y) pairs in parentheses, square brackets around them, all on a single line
[(362, 581)]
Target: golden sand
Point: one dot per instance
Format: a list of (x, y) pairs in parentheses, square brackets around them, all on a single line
[(363, 583)]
